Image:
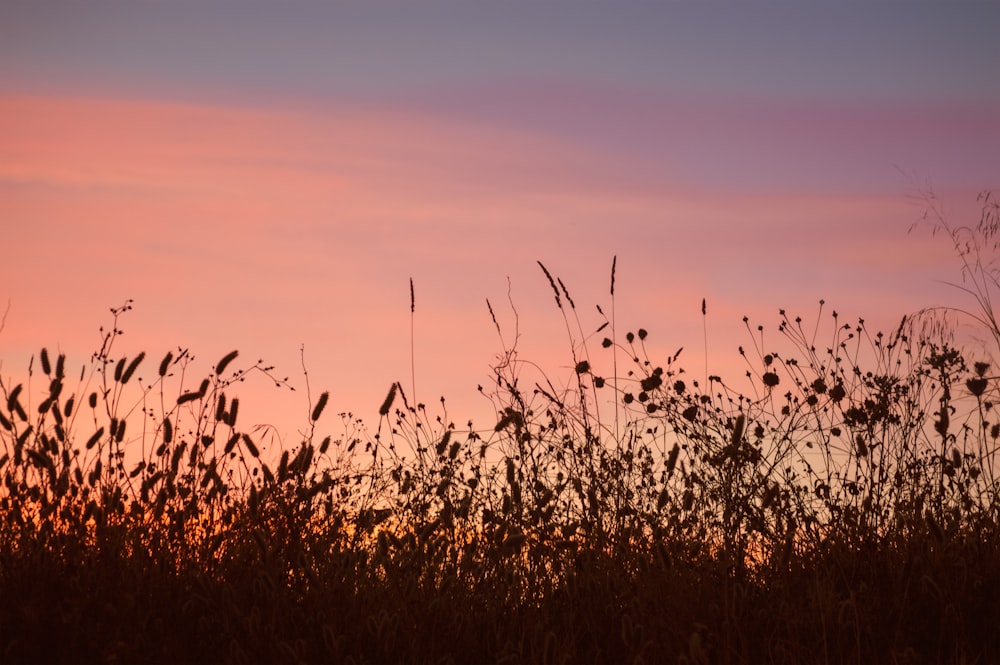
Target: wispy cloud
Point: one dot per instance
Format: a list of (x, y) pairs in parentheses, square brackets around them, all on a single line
[(266, 227)]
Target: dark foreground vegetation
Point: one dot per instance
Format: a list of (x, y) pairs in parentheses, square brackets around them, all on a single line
[(840, 506)]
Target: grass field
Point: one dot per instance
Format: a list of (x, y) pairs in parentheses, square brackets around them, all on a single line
[(840, 505)]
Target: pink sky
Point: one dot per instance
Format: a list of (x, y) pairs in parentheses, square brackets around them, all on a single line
[(265, 228), (274, 179)]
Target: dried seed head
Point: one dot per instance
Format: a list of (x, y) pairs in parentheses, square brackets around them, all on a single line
[(132, 366), (976, 386), (165, 363), (224, 362), (387, 403), (320, 405), (614, 263), (250, 446), (552, 283), (566, 293)]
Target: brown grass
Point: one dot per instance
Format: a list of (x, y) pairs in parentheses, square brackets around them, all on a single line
[(842, 507)]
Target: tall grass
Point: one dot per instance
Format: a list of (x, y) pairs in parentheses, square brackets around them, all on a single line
[(837, 504)]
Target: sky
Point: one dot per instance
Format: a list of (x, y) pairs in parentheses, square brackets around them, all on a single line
[(269, 177)]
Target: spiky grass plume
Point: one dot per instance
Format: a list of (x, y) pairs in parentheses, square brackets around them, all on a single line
[(839, 506)]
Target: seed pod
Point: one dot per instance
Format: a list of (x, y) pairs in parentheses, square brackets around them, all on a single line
[(233, 440), (443, 443), (132, 366), (175, 458), (976, 386), (94, 438), (14, 406), (387, 404), (226, 359), (190, 397), (320, 404), (672, 458), (165, 363), (251, 447), (738, 429)]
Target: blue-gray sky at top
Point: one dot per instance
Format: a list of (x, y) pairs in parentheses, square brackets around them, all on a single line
[(911, 50), (624, 78)]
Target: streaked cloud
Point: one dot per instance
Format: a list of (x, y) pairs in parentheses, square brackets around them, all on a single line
[(267, 227)]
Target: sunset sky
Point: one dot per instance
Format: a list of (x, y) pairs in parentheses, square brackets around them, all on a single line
[(267, 176)]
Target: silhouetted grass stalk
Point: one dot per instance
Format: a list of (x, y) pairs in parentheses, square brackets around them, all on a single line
[(842, 507)]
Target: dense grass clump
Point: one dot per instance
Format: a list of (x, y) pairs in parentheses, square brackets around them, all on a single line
[(840, 504)]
